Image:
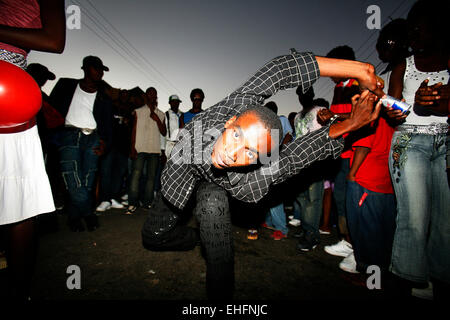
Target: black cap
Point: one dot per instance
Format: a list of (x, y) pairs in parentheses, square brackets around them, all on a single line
[(37, 69), (94, 62)]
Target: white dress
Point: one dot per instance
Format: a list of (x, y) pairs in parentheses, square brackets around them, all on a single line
[(24, 187)]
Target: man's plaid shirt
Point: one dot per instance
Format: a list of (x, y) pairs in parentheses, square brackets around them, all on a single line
[(190, 160)]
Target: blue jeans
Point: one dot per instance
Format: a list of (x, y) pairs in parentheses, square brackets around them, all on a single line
[(339, 193), (310, 201), (113, 169), (151, 160), (371, 226), (78, 167), (276, 217), (421, 246)]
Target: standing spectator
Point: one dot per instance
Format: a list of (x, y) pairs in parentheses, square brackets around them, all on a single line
[(173, 116), (310, 189), (197, 96), (371, 208), (420, 252), (114, 164), (87, 133), (341, 105), (24, 186), (146, 148)]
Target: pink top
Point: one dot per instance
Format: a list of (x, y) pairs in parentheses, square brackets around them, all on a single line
[(22, 14)]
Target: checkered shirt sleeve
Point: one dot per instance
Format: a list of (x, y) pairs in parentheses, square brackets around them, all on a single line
[(288, 71)]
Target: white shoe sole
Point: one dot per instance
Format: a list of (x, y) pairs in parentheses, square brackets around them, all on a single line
[(348, 269), (337, 254)]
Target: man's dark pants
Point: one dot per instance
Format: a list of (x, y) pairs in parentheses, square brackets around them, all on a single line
[(78, 167), (213, 214)]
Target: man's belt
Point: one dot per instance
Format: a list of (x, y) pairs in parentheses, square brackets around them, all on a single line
[(85, 131), (21, 127)]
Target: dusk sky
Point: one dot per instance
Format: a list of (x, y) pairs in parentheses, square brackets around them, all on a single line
[(178, 45)]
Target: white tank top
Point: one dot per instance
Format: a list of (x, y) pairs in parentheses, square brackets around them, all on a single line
[(411, 82)]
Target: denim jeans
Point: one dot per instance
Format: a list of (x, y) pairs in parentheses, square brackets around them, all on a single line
[(339, 193), (276, 217), (371, 226), (421, 247), (113, 169), (78, 167), (310, 201), (151, 160)]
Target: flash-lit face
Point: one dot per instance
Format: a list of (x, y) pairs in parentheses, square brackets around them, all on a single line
[(242, 142)]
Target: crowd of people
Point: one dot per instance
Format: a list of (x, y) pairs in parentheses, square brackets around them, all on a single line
[(380, 179)]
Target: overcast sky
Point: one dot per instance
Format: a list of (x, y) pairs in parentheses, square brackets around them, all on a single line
[(178, 45)]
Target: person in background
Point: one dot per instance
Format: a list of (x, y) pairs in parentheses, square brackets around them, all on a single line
[(197, 96), (417, 163), (173, 116), (146, 149), (25, 25)]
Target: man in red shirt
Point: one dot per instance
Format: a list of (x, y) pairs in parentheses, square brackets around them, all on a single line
[(370, 200)]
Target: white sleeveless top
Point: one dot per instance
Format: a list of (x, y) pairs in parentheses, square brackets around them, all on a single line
[(411, 82)]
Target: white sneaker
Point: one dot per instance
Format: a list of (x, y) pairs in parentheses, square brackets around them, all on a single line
[(349, 264), (340, 249), (426, 293), (124, 197), (116, 205), (295, 222), (105, 205)]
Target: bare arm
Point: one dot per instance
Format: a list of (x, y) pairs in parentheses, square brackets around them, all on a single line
[(358, 158), (50, 38)]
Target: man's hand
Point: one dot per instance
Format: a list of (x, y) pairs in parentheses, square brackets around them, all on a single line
[(154, 116), (363, 112), (100, 150), (371, 82), (323, 116)]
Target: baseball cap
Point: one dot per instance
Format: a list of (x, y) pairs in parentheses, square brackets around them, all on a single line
[(94, 62), (174, 97), (37, 69)]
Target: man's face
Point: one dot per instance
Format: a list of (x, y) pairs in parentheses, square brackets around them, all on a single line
[(197, 100), (243, 140), (152, 98), (94, 73), (174, 105)]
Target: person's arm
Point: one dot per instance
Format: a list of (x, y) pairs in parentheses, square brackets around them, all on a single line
[(395, 90), (359, 156), (50, 38), (349, 69), (161, 125), (182, 121), (133, 152)]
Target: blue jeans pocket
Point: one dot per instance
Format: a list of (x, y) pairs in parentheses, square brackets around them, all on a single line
[(69, 174)]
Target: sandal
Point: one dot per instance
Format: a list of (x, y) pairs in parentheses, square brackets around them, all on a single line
[(131, 210)]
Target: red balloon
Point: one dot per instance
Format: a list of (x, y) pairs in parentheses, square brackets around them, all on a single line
[(20, 95)]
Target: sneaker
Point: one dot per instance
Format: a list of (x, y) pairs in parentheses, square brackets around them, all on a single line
[(131, 210), (295, 222), (324, 231), (124, 197), (307, 242), (116, 205), (252, 234), (426, 293), (278, 235), (124, 202), (340, 249), (105, 205), (265, 225), (349, 264)]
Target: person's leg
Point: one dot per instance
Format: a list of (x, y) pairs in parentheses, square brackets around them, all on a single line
[(327, 204), (70, 161), (213, 214), (409, 163), (106, 176), (438, 248), (278, 218), (136, 172), (120, 163), (152, 167), (339, 192), (21, 249)]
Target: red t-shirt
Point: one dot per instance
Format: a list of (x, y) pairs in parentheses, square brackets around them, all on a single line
[(373, 174)]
